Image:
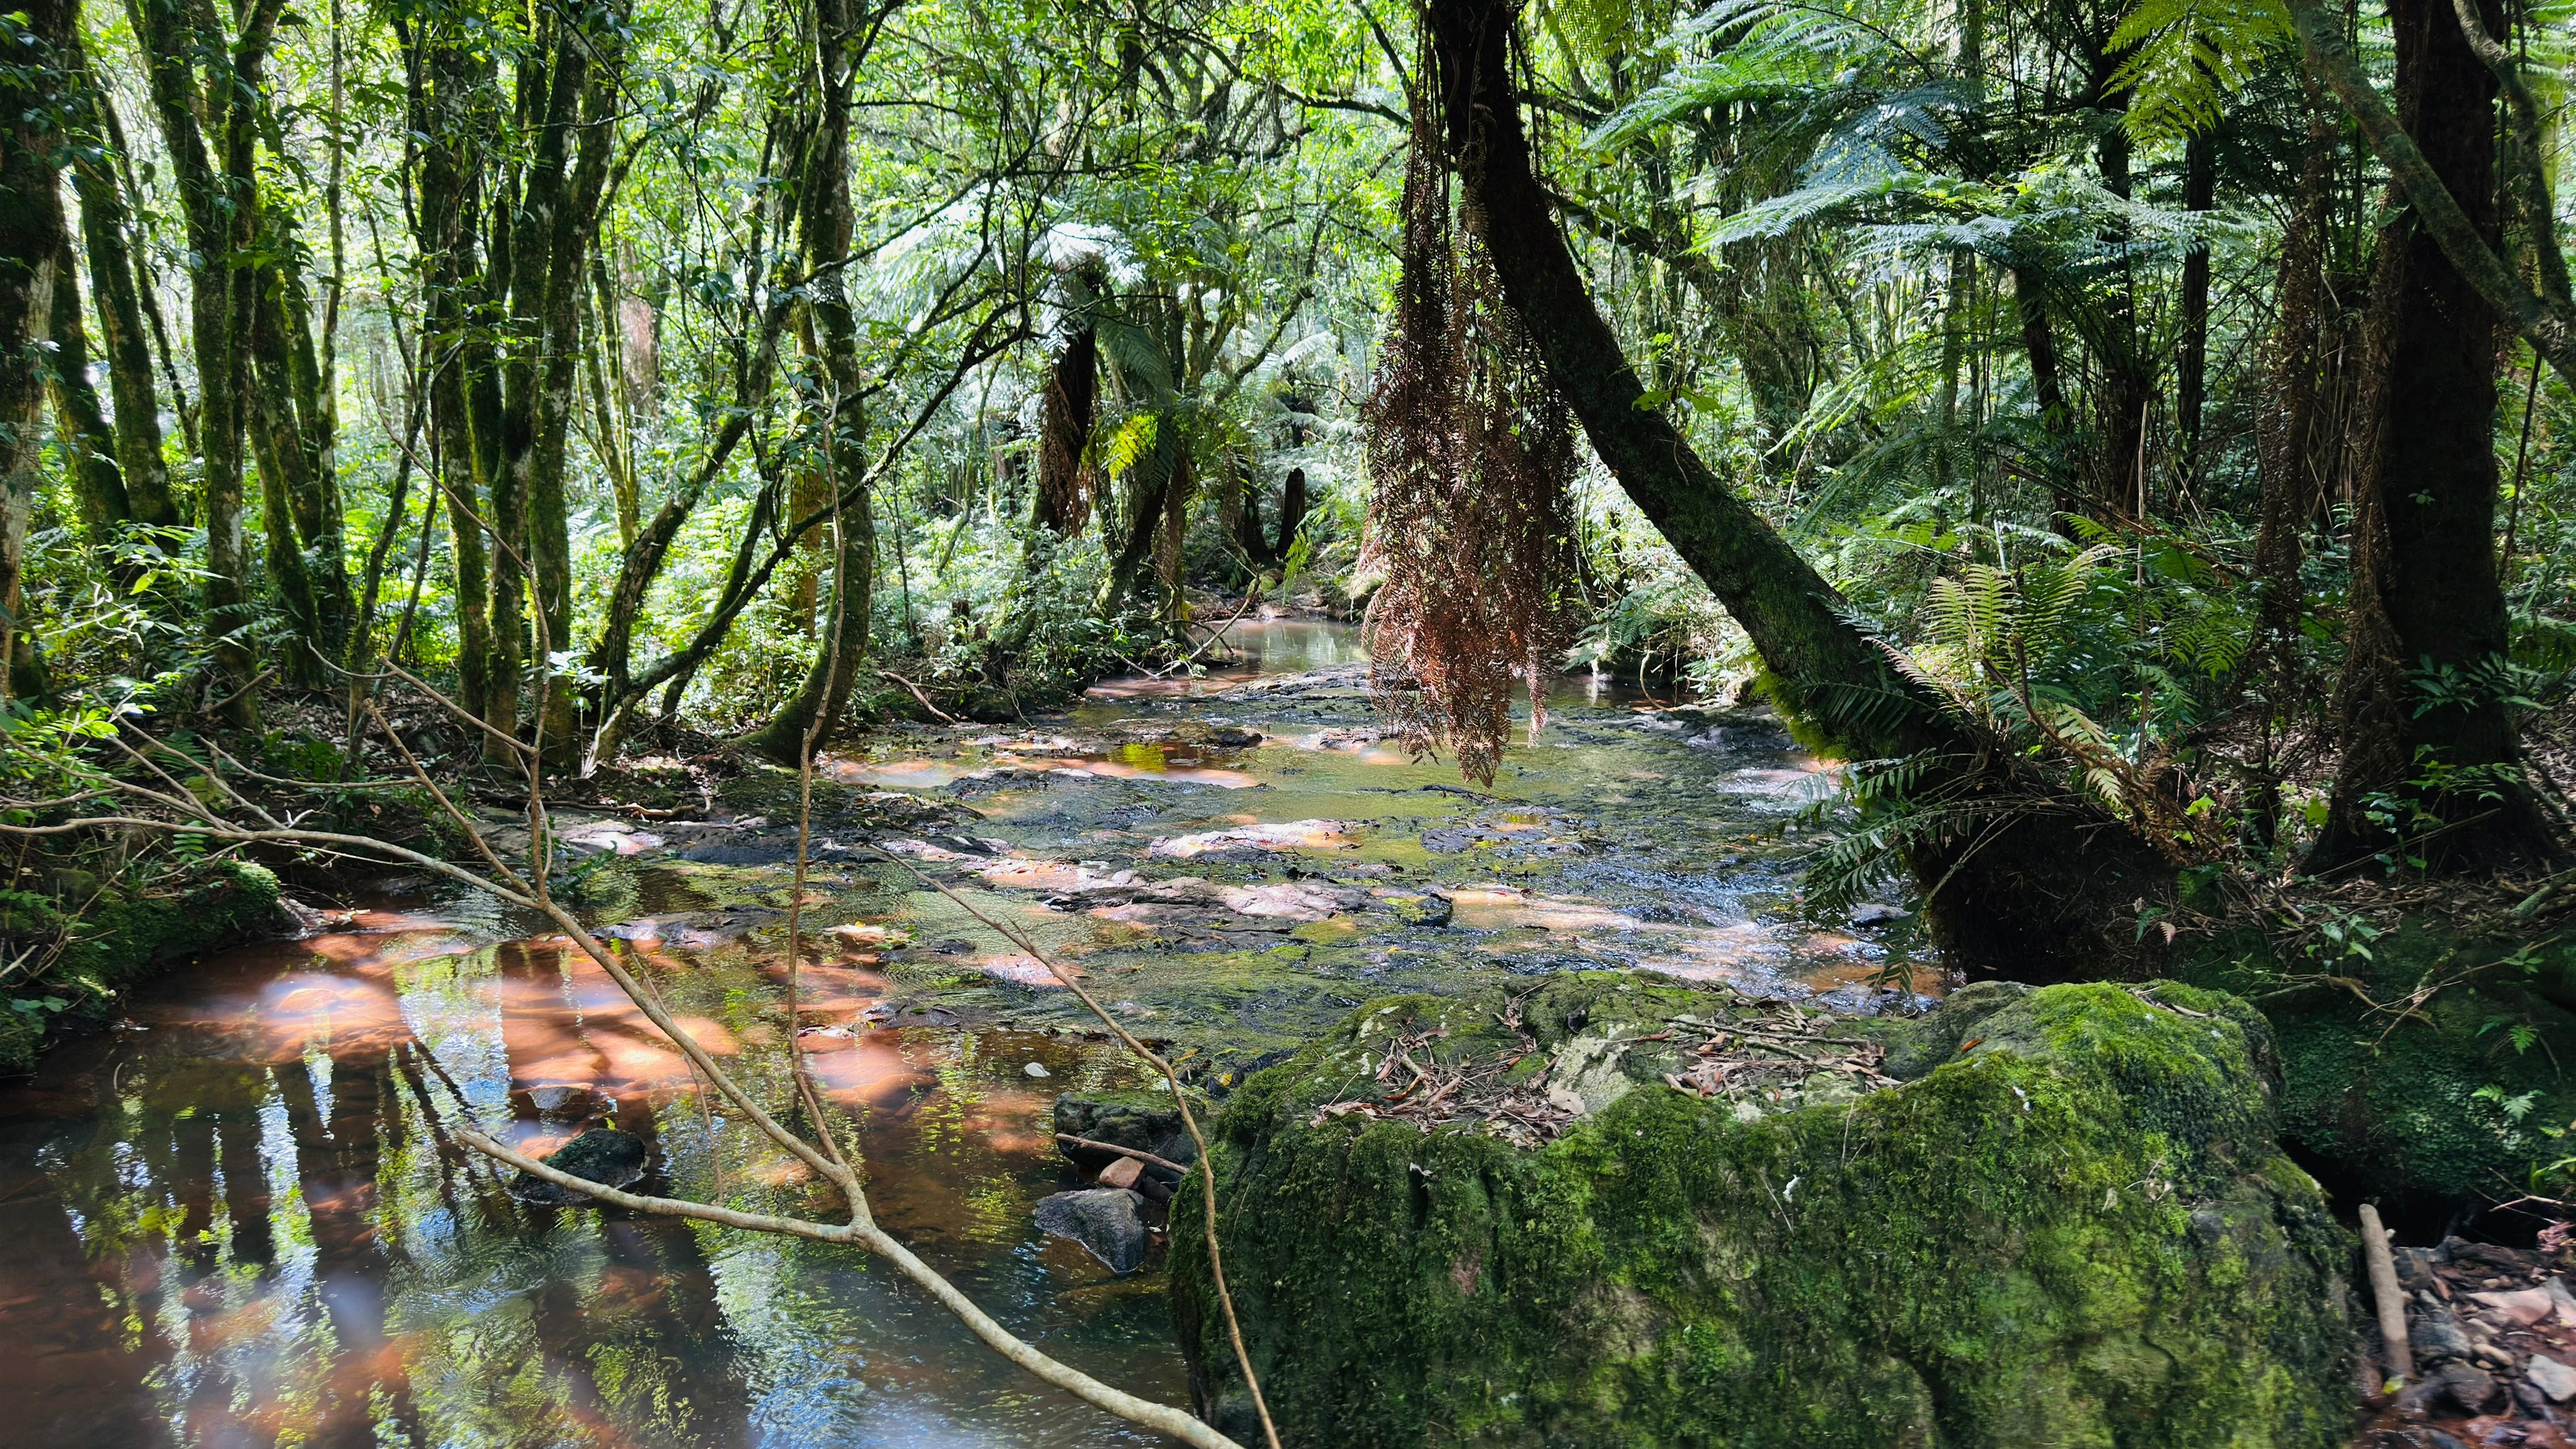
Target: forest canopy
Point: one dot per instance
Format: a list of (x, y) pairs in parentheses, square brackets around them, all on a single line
[(2150, 409)]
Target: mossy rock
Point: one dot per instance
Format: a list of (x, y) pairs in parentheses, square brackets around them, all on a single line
[(1145, 1121), (115, 937), (2432, 1108), (2068, 1224)]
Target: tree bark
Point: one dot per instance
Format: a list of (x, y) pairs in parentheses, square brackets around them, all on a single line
[(2048, 892), (1292, 513), (824, 224), (1064, 432), (31, 228), (125, 343), (2191, 361), (217, 191), (2426, 600), (2048, 386), (446, 80), (2290, 459), (89, 442)]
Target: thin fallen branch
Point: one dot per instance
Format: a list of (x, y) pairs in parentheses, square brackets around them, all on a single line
[(2390, 1298), (1147, 1158), (1145, 1412), (1180, 1099), (917, 694), (196, 818)]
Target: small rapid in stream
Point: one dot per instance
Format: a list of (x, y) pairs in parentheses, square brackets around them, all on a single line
[(237, 1219)]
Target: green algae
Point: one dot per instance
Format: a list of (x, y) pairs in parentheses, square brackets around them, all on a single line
[(2077, 1231)]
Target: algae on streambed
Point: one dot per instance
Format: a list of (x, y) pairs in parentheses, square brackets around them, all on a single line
[(1234, 869)]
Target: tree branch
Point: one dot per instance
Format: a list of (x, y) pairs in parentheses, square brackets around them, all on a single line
[(2550, 329)]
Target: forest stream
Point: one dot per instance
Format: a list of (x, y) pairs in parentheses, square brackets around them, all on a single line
[(236, 1216)]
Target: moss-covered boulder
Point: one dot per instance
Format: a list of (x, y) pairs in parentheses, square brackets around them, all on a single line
[(99, 940), (2428, 1068), (1616, 1213)]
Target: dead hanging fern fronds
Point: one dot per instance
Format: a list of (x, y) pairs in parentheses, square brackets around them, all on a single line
[(1470, 523)]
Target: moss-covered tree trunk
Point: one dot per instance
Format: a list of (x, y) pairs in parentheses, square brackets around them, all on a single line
[(2430, 765), (98, 484), (31, 225), (2047, 889), (124, 341), (214, 159), (824, 225)]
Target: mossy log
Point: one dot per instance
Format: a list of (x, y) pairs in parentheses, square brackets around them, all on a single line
[(2052, 1216)]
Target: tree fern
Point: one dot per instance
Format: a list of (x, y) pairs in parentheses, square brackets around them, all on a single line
[(2185, 57)]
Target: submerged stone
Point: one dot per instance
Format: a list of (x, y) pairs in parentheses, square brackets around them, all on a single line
[(603, 1154), (1620, 1213), (1107, 1221)]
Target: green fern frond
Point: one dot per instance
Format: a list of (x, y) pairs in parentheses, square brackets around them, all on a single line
[(2186, 56)]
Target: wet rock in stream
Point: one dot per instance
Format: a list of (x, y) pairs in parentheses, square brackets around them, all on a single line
[(1108, 1222), (1140, 1121), (604, 1155)]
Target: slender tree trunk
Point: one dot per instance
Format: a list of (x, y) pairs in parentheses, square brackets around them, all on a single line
[(568, 91), (824, 224), (88, 441), (2289, 456), (2120, 349), (2048, 386), (2191, 360), (31, 228), (276, 445), (1174, 531), (2045, 892), (2418, 701), (446, 80), (319, 513), (125, 342), (216, 185)]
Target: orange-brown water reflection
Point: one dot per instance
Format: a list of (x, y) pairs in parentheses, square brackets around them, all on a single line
[(241, 1224)]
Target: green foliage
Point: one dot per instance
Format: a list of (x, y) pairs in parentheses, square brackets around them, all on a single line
[(2185, 57)]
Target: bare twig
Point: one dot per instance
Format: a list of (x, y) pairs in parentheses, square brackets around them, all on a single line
[(1160, 1417), (1180, 1099), (917, 694), (1149, 1159)]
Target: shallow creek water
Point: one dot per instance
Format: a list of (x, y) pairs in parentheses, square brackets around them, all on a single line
[(236, 1219)]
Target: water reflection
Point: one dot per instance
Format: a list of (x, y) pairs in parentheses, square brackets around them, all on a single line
[(243, 1225)]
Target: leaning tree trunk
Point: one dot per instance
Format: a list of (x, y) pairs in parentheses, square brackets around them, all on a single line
[(2048, 891), (2419, 710)]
